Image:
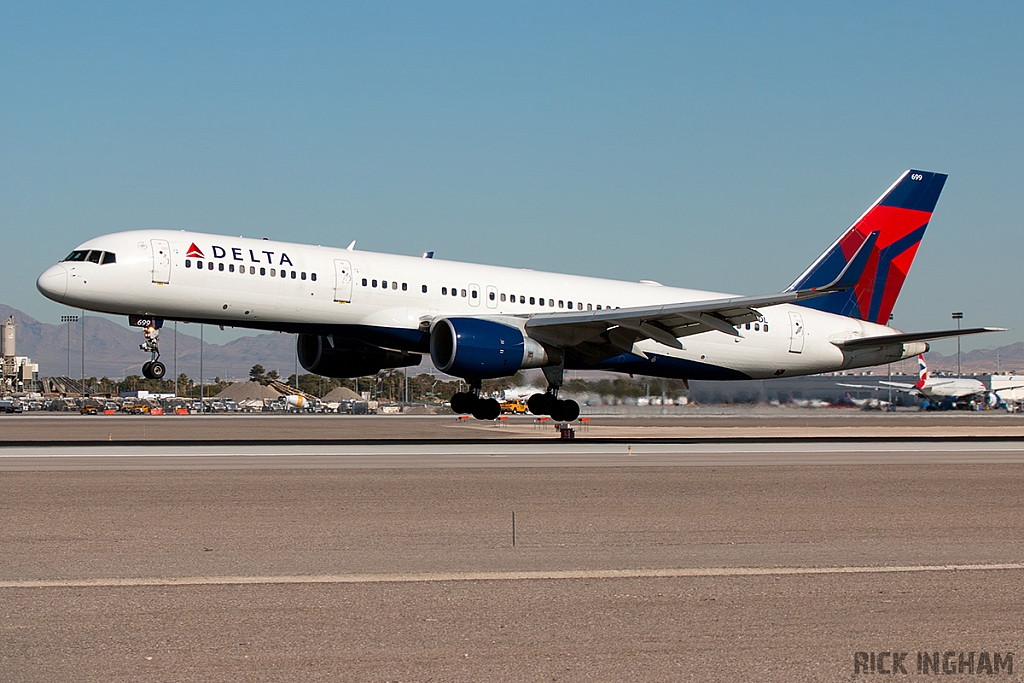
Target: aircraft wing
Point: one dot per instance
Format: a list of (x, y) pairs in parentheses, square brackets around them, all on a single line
[(904, 338), (895, 386), (664, 323), (592, 332)]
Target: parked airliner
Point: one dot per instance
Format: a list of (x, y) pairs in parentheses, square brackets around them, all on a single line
[(358, 312), (941, 391)]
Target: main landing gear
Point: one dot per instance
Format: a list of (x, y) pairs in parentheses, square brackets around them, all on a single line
[(548, 403), (469, 402), (153, 368)]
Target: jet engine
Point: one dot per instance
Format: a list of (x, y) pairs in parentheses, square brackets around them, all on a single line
[(342, 357), (484, 349)]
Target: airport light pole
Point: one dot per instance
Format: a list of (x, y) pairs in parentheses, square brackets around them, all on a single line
[(958, 316), (83, 356), (69, 319)]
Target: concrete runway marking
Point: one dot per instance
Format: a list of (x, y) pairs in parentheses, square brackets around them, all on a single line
[(428, 577)]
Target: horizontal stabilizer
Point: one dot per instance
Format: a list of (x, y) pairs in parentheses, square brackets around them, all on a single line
[(906, 338)]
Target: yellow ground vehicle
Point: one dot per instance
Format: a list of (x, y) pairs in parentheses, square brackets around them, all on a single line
[(516, 407)]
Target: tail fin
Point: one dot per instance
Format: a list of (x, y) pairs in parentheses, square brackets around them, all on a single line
[(922, 374), (899, 217)]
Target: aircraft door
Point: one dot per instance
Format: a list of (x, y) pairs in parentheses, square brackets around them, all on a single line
[(342, 281), (796, 333), (474, 295), (161, 261), (492, 296)]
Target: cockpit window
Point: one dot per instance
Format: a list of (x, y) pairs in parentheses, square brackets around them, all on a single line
[(94, 256)]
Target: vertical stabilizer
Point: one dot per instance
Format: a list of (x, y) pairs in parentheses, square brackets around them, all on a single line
[(899, 217)]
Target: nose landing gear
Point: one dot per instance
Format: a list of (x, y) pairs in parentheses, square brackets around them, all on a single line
[(153, 368)]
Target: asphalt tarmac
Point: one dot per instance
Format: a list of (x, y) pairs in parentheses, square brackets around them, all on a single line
[(398, 562)]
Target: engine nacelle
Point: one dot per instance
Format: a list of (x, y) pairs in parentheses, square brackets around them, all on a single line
[(483, 349), (344, 358)]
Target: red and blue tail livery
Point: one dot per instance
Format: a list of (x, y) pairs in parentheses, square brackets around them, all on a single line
[(899, 218)]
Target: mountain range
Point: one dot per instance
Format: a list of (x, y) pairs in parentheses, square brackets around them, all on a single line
[(113, 351)]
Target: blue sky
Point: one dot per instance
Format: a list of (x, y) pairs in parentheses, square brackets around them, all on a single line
[(719, 147)]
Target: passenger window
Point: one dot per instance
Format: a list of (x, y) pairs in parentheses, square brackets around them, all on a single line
[(490, 295), (209, 266), (766, 327), (561, 303), (444, 291), (463, 293), (188, 263), (757, 327), (405, 286), (512, 298), (424, 288), (374, 283), (312, 276), (109, 257), (541, 301), (533, 301), (569, 306), (231, 267), (303, 274), (252, 270), (522, 299), (590, 307), (748, 326), (579, 306), (503, 297), (220, 267), (599, 307), (475, 293), (273, 272), (263, 271)]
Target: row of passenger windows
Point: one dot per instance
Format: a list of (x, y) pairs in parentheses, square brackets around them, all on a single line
[(92, 256), (758, 327), (474, 294), (274, 272)]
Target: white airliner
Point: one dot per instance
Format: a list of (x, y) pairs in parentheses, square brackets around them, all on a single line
[(939, 390), (358, 312)]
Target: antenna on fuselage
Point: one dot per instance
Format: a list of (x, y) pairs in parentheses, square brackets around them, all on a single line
[(428, 254), (351, 246)]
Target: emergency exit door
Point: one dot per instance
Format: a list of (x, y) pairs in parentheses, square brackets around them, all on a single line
[(796, 333), (161, 261), (342, 281)]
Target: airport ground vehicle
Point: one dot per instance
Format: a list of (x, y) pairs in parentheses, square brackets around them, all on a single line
[(480, 322), (515, 407)]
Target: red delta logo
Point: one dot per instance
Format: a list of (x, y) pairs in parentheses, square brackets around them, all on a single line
[(194, 252)]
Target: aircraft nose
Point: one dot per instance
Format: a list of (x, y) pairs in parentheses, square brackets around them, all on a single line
[(53, 283)]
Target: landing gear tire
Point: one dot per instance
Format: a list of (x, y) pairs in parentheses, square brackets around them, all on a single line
[(565, 411), (157, 370), (462, 403), (145, 369), (486, 409), (541, 404)]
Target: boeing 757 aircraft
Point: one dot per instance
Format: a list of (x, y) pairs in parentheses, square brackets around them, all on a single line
[(358, 312)]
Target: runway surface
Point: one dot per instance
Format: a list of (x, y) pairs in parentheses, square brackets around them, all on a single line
[(768, 562)]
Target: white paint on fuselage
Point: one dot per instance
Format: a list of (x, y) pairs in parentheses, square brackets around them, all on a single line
[(249, 299)]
